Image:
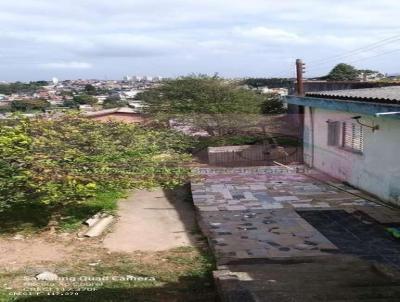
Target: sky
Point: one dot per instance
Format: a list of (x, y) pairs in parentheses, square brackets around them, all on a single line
[(107, 39)]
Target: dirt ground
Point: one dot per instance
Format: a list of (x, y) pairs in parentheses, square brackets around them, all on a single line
[(155, 236), (146, 221)]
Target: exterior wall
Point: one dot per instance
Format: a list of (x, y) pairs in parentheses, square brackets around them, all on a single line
[(376, 170), (120, 117)]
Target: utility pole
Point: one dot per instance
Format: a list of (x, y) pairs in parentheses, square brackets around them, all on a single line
[(300, 66), (300, 69)]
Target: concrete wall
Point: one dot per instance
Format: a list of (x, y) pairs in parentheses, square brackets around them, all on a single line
[(377, 170)]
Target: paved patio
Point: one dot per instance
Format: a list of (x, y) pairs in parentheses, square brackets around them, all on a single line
[(259, 215)]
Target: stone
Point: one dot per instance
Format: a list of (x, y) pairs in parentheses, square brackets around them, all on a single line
[(286, 198), (18, 237), (302, 246), (47, 276)]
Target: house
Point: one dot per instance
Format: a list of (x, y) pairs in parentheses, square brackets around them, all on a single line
[(125, 114), (354, 135)]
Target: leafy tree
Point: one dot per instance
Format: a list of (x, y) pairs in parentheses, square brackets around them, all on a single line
[(369, 72), (19, 87), (270, 82), (29, 105), (210, 103), (90, 89), (85, 99), (272, 104), (65, 161), (71, 104), (343, 72), (114, 102)]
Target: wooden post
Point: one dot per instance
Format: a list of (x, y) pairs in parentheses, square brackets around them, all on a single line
[(299, 76), (300, 92)]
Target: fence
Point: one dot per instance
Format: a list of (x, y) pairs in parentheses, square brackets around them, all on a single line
[(253, 155)]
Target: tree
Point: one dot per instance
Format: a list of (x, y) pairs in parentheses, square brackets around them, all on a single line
[(29, 105), (343, 72), (272, 104), (19, 87), (270, 82), (85, 99), (71, 104), (64, 161), (90, 89), (114, 102), (210, 103)]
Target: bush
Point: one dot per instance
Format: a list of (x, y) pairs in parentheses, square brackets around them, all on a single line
[(29, 105), (67, 161)]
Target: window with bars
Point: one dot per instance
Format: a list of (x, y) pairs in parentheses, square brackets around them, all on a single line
[(352, 137)]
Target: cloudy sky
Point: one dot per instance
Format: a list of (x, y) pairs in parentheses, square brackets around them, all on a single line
[(40, 39)]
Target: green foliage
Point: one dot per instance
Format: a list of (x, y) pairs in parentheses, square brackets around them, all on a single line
[(208, 103), (16, 87), (269, 82), (369, 72), (102, 202), (200, 95), (71, 104), (343, 72), (90, 89), (85, 99), (70, 160), (114, 102), (272, 104), (29, 105)]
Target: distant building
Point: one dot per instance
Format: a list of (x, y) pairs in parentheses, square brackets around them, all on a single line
[(86, 107), (280, 91), (126, 115), (371, 76), (136, 78)]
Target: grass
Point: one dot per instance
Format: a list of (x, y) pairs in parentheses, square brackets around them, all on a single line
[(183, 274), (72, 217), (30, 218)]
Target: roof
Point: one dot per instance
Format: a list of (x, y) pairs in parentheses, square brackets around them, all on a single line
[(111, 111), (385, 95)]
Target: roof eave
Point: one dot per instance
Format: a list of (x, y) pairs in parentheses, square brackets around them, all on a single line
[(368, 108)]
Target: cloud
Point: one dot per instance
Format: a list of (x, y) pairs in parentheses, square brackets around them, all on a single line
[(125, 45), (244, 37), (267, 34), (66, 65)]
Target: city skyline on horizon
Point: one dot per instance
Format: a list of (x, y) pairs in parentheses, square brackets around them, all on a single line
[(90, 39)]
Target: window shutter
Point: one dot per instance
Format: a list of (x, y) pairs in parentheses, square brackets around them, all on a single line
[(353, 136)]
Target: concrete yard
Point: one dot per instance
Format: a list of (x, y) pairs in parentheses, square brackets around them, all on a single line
[(296, 235)]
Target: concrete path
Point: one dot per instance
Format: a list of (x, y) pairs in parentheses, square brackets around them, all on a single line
[(152, 221)]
